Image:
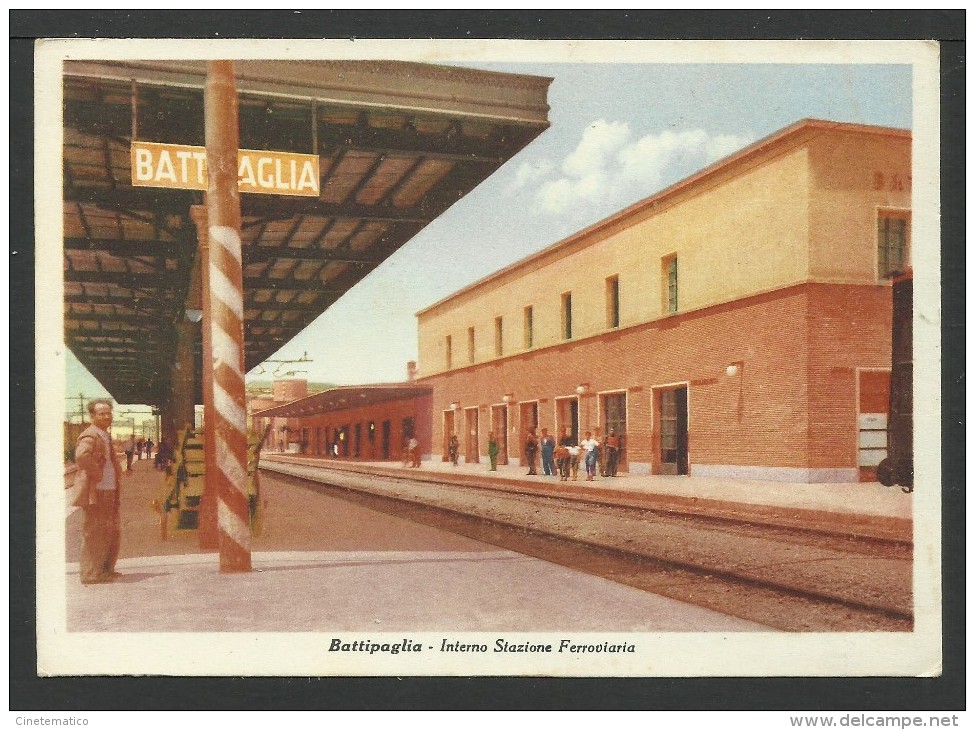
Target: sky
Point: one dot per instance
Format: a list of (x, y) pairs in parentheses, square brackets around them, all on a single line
[(619, 133)]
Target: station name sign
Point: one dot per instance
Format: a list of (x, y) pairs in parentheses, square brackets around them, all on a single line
[(185, 167)]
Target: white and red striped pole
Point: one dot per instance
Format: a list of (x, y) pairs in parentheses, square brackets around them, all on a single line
[(226, 290)]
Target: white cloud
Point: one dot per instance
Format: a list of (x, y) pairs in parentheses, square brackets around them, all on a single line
[(555, 194), (529, 172), (600, 140), (648, 160), (587, 170), (607, 168)]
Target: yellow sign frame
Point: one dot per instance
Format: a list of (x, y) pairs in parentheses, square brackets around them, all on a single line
[(264, 172)]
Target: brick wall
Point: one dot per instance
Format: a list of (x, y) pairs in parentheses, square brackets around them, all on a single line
[(789, 405), (849, 328), (370, 449)]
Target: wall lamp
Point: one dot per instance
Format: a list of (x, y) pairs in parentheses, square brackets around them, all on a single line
[(194, 315), (582, 388), (734, 368), (454, 406), (507, 398)]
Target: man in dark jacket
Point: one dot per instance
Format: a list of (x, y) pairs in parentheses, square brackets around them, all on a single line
[(531, 452)]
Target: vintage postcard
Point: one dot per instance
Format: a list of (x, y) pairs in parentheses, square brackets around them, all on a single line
[(488, 358)]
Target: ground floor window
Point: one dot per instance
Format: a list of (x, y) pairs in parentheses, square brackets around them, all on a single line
[(567, 418), (614, 408), (673, 431)]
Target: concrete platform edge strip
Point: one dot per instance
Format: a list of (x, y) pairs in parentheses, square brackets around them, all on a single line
[(881, 527)]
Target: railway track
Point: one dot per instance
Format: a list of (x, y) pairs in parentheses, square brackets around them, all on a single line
[(785, 576)]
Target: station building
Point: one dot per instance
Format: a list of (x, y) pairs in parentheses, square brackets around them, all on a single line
[(280, 432), (353, 422), (735, 325)]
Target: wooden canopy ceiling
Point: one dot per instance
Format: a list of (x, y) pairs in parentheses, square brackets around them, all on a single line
[(398, 144)]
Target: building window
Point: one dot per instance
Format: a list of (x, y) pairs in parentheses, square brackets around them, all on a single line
[(892, 243), (498, 337), (613, 302), (448, 352), (529, 328), (614, 418), (669, 275), (470, 344), (567, 316), (614, 409)]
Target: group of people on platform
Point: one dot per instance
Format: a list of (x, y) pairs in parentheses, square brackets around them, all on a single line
[(135, 449), (559, 458), (562, 458)]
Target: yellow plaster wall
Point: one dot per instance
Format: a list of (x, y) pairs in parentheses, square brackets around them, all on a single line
[(743, 236), (745, 233), (854, 176), (807, 214)]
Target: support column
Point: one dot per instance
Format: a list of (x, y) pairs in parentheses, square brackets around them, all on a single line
[(228, 416), (208, 533), (181, 406), (168, 420)]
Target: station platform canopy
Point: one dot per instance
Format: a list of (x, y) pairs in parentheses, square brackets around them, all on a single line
[(397, 143), (344, 397)]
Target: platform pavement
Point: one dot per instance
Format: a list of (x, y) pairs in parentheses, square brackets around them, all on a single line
[(318, 567), (154, 573), (863, 508)]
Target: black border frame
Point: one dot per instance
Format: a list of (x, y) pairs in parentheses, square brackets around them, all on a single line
[(31, 693)]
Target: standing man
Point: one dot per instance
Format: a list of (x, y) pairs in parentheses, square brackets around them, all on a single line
[(99, 473), (164, 453), (602, 453), (612, 452), (493, 451), (129, 448), (531, 451), (548, 454), (590, 447), (413, 448), (454, 449)]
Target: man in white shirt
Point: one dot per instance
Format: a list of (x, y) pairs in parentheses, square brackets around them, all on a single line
[(590, 447)]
